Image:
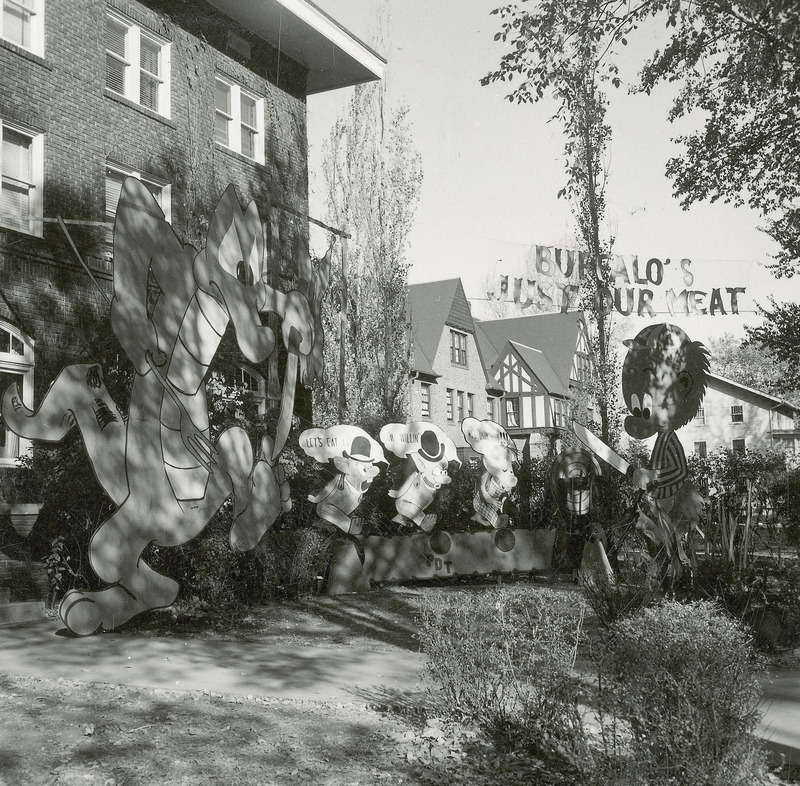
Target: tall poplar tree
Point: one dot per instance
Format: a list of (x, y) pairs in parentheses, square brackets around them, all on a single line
[(373, 178)]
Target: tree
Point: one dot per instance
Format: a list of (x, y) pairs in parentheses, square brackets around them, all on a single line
[(738, 63), (563, 49), (750, 365), (779, 337), (373, 179)]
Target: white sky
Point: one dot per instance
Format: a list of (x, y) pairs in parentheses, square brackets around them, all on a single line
[(492, 170)]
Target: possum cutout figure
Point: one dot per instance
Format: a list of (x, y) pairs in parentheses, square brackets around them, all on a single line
[(160, 468)]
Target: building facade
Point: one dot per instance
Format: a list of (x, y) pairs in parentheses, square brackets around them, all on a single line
[(187, 97), (449, 374), (739, 418)]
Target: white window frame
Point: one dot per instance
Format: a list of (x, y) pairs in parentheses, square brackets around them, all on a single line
[(22, 366), (259, 392), (450, 403), (737, 413), (35, 225), (132, 61), (163, 197), (36, 10), (700, 416), (235, 122), (458, 348), (425, 399)]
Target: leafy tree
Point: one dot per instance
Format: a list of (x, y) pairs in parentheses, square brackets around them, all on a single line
[(373, 179), (778, 335), (747, 364), (738, 63), (562, 49)]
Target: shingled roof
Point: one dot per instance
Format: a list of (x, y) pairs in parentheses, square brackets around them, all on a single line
[(555, 335)]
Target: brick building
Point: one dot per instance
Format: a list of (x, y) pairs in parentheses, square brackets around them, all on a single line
[(187, 96)]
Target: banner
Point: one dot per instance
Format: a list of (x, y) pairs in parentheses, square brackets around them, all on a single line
[(554, 275)]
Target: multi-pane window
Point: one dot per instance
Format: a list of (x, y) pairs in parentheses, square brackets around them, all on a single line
[(137, 64), (16, 367), (738, 446), (700, 416), (425, 400), (470, 405), (583, 368), (254, 384), (737, 413), (490, 407), (115, 177), (238, 119), (560, 412), (450, 395), (21, 23), (460, 405), (512, 412), (21, 172), (458, 348), (700, 449)]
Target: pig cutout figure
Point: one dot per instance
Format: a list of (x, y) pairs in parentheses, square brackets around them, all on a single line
[(355, 456), (426, 452), (498, 480)]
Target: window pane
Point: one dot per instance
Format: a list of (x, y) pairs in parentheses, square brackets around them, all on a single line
[(248, 143), (115, 74), (148, 92), (150, 52), (16, 155), (115, 37), (114, 181), (221, 130), (249, 116), (222, 97), (17, 23)]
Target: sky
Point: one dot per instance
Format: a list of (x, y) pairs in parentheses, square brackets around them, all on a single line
[(493, 169)]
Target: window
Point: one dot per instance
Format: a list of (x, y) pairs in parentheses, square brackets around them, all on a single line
[(460, 406), (239, 120), (512, 412), (450, 393), (22, 24), (458, 348), (137, 64), (700, 449), (700, 417), (560, 412), (583, 368), (115, 177), (470, 405), (737, 414), (425, 400), (21, 167), (739, 446), (490, 408), (254, 384), (16, 366)]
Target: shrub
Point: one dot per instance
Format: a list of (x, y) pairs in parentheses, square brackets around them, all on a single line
[(685, 677), (502, 661), (613, 600)]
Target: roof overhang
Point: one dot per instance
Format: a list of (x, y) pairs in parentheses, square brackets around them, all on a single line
[(334, 57)]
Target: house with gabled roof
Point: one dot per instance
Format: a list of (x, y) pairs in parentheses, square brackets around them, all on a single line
[(741, 418), (449, 375), (540, 361)]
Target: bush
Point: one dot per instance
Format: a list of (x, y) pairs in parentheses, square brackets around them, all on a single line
[(613, 600), (502, 661), (685, 677)]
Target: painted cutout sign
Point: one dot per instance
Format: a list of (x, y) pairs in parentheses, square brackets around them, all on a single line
[(159, 466), (426, 452), (498, 480), (355, 456), (664, 377)]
